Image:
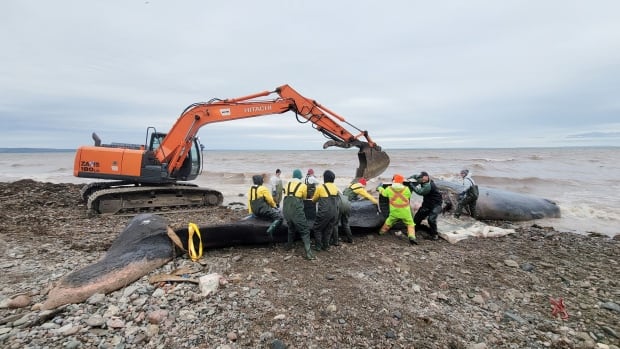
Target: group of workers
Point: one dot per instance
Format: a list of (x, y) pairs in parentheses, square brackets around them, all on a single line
[(332, 208)]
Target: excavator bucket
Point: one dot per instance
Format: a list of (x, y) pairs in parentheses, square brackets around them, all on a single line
[(373, 161)]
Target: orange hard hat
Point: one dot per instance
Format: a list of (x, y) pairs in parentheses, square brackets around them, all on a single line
[(398, 178)]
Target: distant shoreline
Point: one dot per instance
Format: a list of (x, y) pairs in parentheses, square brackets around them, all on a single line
[(60, 150), (34, 150)]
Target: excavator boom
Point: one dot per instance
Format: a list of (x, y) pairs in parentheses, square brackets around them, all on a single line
[(174, 148), (173, 157)]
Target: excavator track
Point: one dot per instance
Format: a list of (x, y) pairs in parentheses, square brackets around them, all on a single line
[(88, 189), (135, 199)]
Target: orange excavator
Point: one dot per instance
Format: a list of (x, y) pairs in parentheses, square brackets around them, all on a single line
[(152, 176)]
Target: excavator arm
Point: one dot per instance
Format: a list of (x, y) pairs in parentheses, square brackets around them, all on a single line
[(178, 142)]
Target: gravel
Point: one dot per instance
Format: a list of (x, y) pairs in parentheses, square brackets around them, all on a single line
[(379, 292)]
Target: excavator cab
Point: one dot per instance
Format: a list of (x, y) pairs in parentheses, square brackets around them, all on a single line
[(191, 167)]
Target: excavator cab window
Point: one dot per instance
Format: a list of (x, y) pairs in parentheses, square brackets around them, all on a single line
[(156, 139), (192, 165), (195, 156)]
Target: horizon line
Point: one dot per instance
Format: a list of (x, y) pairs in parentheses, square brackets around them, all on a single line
[(35, 149)]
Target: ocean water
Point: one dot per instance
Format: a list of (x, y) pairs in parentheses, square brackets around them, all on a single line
[(583, 181)]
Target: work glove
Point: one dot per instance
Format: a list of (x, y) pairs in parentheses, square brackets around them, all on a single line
[(379, 186)]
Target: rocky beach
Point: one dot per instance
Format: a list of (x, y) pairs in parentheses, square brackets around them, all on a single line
[(537, 288)]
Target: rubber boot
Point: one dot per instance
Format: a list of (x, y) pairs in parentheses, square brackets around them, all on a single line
[(384, 229), (411, 235), (326, 239), (348, 236), (318, 246), (273, 228), (317, 240), (459, 209), (472, 210), (290, 239), (335, 237), (325, 244), (308, 250)]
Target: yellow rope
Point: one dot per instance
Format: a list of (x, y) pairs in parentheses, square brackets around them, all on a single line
[(191, 229)]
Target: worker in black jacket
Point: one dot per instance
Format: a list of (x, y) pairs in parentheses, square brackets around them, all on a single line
[(422, 185)]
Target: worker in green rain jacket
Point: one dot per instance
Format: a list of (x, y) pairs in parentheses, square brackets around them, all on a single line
[(295, 193), (326, 195)]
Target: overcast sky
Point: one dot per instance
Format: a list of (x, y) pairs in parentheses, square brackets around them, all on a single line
[(415, 74)]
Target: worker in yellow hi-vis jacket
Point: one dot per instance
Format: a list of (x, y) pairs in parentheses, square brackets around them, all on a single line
[(400, 210), (262, 205)]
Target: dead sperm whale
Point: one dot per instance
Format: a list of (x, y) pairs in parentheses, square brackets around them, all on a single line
[(251, 231), (144, 245), (497, 204), (141, 247)]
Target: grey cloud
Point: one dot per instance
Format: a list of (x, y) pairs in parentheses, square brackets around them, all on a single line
[(412, 73), (615, 135)]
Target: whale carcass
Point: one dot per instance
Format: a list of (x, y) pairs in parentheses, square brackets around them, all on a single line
[(145, 244), (497, 204)]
